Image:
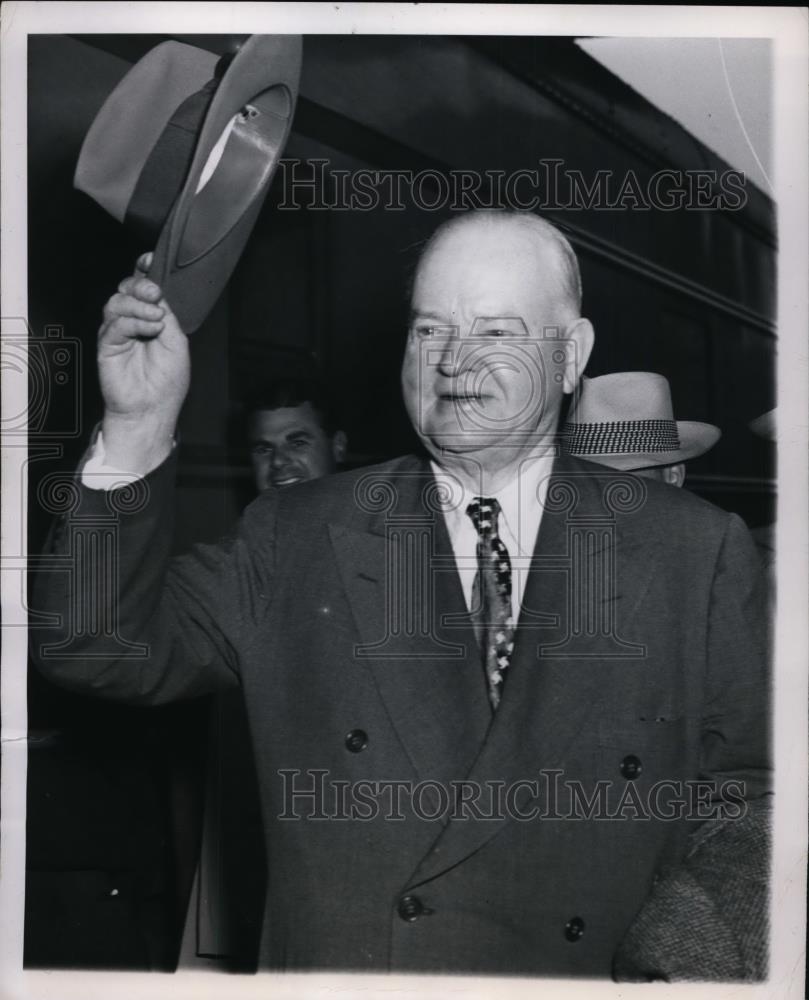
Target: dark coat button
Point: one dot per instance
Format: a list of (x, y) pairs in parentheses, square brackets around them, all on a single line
[(357, 740), (410, 908), (631, 767), (574, 929)]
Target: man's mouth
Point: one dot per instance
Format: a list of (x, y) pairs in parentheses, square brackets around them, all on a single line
[(460, 397), (286, 481)]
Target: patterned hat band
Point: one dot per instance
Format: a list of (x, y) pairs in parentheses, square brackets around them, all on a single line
[(622, 437)]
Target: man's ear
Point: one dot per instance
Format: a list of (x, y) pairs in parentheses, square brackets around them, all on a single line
[(339, 447), (580, 337), (674, 475)]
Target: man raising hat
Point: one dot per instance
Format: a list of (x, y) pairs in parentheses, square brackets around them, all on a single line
[(424, 646)]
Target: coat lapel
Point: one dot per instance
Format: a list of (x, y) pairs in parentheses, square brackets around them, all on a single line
[(399, 574), (555, 673)]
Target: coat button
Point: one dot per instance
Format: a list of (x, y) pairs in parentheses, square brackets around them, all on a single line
[(410, 908), (574, 929), (631, 767), (357, 740)]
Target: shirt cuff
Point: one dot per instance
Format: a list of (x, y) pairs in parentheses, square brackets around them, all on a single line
[(97, 475)]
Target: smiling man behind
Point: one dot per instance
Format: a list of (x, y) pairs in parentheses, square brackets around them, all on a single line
[(292, 433)]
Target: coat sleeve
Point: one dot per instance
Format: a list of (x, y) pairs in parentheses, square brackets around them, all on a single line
[(706, 916), (736, 723), (707, 919), (112, 614)]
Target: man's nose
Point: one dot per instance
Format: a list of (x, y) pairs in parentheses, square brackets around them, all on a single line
[(279, 458), (450, 361)]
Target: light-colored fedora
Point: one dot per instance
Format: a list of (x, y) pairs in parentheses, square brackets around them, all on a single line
[(184, 150), (626, 420)]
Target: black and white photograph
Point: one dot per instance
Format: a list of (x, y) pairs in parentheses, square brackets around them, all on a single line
[(405, 511)]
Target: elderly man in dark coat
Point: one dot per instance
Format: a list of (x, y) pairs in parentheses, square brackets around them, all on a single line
[(495, 694)]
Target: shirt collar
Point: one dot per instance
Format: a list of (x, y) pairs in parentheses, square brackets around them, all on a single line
[(521, 502)]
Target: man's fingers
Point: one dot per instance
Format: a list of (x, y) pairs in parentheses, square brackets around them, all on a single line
[(141, 288), (143, 263), (127, 305), (122, 329)]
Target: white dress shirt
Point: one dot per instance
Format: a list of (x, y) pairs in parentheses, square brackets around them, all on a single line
[(521, 504)]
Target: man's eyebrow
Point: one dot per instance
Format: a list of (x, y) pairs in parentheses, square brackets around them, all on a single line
[(294, 432), (428, 314)]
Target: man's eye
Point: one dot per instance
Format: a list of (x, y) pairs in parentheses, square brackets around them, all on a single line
[(261, 449), (298, 443), (499, 327), (427, 331)]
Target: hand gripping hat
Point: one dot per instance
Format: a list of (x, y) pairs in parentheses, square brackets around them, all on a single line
[(625, 420), (183, 151)]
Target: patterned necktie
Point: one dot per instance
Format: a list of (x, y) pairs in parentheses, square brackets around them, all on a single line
[(491, 591)]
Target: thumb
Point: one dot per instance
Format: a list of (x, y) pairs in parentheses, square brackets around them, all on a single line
[(143, 263)]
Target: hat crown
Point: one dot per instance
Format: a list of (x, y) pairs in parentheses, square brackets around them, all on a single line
[(622, 396), (187, 154), (626, 420)]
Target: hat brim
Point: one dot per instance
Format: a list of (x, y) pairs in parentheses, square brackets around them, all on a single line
[(193, 267), (695, 439)]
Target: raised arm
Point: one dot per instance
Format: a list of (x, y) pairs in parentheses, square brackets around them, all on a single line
[(113, 615)]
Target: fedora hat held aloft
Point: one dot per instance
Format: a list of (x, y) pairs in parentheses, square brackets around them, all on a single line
[(626, 420), (183, 151)]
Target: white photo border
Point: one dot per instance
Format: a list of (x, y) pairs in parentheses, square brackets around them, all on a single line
[(787, 28)]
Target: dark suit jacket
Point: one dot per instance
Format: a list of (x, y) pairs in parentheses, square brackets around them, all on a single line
[(639, 659)]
